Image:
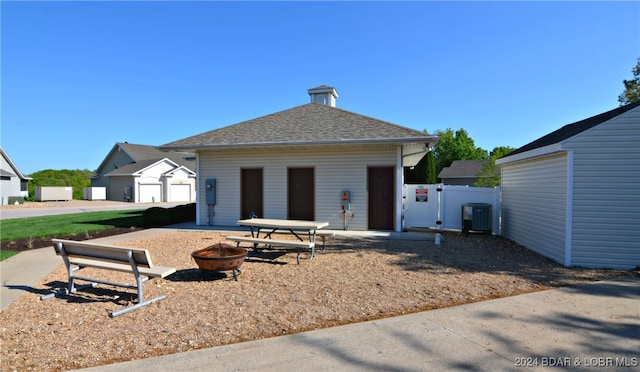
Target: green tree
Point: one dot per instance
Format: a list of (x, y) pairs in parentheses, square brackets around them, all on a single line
[(432, 176), (78, 179), (631, 87), (455, 146), (423, 173), (489, 175)]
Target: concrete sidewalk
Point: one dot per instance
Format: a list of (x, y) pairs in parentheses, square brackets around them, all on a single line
[(582, 327)]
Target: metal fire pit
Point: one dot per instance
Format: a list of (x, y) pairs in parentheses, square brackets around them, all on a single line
[(220, 257)]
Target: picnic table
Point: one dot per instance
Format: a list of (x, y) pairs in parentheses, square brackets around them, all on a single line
[(269, 227)]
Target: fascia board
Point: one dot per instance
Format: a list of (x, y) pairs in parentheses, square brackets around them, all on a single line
[(541, 151), (426, 139)]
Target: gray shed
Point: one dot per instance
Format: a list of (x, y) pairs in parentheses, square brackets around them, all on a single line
[(574, 196)]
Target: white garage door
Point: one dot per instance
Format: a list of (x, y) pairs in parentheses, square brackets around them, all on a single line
[(150, 193), (180, 193)]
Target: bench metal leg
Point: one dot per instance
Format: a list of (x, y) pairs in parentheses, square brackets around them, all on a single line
[(71, 286), (66, 291), (140, 279), (136, 306)]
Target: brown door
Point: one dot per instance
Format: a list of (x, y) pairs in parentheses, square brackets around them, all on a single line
[(251, 195), (301, 204), (380, 182)]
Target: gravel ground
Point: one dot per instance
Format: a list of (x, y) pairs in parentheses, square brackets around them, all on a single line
[(353, 281)]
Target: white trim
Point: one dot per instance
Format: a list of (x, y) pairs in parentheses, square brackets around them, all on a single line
[(568, 239), (141, 171), (198, 198), (397, 205), (174, 170), (546, 150), (14, 166), (427, 140)]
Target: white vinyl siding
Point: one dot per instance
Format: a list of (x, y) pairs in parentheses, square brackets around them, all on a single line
[(602, 168), (335, 168), (534, 196), (10, 185), (606, 194)]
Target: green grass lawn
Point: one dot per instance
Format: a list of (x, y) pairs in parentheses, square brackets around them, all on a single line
[(67, 224), (6, 254)]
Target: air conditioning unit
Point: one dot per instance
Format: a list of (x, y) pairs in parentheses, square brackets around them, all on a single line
[(476, 217)]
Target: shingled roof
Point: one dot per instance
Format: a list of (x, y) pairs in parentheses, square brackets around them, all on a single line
[(308, 124), (145, 152), (462, 169), (573, 129), (145, 155)]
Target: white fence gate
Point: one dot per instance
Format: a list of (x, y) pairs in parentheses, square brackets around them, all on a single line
[(425, 205)]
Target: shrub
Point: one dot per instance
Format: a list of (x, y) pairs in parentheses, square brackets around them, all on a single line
[(157, 216)]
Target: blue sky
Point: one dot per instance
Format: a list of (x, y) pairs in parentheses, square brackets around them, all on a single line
[(77, 77)]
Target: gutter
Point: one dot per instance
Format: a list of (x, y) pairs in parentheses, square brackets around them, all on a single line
[(546, 150), (430, 140)]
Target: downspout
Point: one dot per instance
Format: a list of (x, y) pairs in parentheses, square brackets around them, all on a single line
[(398, 191), (198, 197), (439, 207), (568, 238)]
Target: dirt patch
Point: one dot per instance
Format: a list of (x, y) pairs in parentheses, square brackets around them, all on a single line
[(353, 281)]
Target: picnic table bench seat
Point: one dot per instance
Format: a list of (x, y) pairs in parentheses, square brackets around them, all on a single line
[(323, 234), (78, 255), (273, 243)]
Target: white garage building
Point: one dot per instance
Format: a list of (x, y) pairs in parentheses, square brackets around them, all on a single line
[(144, 174), (574, 194)]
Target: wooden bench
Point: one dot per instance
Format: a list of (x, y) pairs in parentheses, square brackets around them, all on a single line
[(275, 243), (78, 255), (319, 233)]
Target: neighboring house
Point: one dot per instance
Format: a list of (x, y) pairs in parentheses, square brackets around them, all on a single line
[(574, 194), (461, 172), (296, 163), (12, 182), (144, 174)]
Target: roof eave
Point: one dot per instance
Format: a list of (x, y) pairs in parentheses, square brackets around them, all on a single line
[(430, 140), (14, 167), (540, 151)]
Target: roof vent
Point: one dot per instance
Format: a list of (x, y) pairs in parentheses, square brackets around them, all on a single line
[(324, 95)]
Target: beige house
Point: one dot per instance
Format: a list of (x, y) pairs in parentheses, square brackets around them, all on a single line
[(144, 174), (302, 163)]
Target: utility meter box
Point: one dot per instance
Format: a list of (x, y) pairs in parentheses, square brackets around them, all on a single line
[(210, 191)]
